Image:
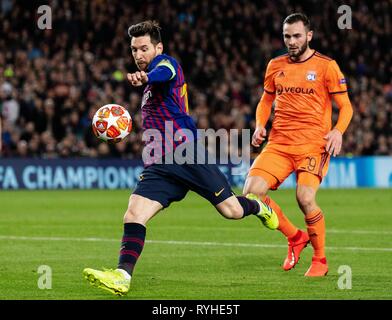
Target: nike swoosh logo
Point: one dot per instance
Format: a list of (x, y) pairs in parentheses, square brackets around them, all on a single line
[(292, 258), (217, 194)]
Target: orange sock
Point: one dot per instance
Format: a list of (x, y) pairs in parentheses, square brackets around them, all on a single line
[(316, 229), (285, 226)]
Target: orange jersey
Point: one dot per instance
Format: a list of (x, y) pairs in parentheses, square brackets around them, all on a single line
[(303, 90)]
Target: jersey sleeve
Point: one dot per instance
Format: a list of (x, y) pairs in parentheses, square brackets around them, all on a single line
[(164, 70), (269, 85), (168, 64), (335, 80)]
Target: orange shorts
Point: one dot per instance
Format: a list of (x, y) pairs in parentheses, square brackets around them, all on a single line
[(276, 162)]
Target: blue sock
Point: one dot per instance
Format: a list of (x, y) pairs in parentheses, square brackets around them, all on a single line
[(249, 206)]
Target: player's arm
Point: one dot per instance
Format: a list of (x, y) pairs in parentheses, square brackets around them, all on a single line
[(263, 112), (337, 88), (345, 111), (334, 137), (163, 72)]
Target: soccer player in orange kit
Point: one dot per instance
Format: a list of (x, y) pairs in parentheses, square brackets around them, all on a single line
[(302, 83)]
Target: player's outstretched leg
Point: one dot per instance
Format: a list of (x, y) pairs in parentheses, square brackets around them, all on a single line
[(267, 216), (238, 207)]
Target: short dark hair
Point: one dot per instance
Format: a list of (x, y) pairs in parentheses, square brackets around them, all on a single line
[(148, 27), (295, 17)]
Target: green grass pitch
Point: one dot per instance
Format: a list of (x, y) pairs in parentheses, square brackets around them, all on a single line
[(191, 251)]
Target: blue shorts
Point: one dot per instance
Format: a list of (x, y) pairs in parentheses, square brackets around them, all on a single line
[(166, 183)]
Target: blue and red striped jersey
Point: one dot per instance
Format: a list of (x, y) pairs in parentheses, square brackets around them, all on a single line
[(165, 105)]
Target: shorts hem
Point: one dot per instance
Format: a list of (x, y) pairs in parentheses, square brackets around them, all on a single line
[(164, 204)]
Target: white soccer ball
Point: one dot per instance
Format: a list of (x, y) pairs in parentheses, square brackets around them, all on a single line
[(112, 123)]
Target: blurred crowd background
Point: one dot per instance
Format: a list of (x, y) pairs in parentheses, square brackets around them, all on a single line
[(52, 81)]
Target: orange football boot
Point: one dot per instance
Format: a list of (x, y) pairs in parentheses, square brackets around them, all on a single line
[(296, 245), (318, 268)]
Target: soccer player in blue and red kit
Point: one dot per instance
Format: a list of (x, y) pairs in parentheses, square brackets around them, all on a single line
[(163, 179)]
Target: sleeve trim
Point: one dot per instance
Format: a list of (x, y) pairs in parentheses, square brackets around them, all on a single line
[(269, 92), (338, 92), (166, 63)]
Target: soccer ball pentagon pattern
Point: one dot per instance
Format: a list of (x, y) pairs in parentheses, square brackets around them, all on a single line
[(112, 123)]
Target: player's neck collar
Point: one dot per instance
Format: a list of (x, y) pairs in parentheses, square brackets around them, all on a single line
[(314, 52), (154, 61)]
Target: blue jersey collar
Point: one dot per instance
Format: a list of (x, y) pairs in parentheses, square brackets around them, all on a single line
[(155, 61)]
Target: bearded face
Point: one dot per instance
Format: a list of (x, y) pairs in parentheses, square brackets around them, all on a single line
[(296, 39)]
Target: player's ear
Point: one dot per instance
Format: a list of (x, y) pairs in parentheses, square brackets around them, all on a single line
[(310, 35), (159, 48)]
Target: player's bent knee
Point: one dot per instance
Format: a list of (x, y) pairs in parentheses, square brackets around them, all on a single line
[(306, 200), (141, 210), (260, 192), (256, 185)]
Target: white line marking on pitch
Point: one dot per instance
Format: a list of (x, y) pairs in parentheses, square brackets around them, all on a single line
[(190, 243), (359, 231), (370, 232)]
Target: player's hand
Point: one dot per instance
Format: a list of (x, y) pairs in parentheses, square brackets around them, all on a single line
[(138, 78), (334, 142), (258, 136)]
